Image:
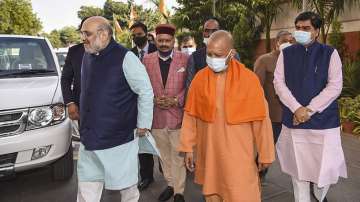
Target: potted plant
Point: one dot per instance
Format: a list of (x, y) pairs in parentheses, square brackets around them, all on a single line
[(356, 116), (347, 108)]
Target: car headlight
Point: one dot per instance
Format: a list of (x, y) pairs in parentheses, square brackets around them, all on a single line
[(40, 116), (45, 116), (58, 113)]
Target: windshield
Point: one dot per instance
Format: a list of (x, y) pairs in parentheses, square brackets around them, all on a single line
[(22, 57), (61, 58)]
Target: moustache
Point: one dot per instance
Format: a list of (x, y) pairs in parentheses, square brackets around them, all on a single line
[(164, 47)]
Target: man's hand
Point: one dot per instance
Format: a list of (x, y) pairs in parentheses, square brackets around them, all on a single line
[(73, 111), (172, 101), (141, 131), (166, 102), (161, 102), (189, 161), (295, 121), (263, 166), (302, 114)]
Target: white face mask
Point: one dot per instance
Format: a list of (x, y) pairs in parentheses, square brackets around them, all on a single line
[(302, 37), (206, 40), (284, 45), (188, 51), (217, 64)]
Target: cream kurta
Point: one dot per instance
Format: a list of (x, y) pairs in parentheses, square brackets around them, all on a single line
[(225, 163)]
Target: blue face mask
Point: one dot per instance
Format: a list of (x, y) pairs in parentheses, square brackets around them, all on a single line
[(302, 37), (217, 64)]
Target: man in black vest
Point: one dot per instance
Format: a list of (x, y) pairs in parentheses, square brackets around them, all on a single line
[(139, 34), (308, 80), (116, 105)]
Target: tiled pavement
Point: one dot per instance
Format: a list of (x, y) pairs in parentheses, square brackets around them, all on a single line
[(36, 186)]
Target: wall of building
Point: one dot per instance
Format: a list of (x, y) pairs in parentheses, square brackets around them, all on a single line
[(350, 19)]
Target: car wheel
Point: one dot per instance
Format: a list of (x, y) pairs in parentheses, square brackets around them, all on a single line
[(63, 168)]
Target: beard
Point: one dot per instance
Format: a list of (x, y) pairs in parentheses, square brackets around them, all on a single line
[(93, 47)]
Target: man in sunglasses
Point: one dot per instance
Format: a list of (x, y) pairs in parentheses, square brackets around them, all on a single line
[(197, 60)]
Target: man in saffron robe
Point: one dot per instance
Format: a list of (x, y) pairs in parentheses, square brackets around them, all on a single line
[(226, 122)]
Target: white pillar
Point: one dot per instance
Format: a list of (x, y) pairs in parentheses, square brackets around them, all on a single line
[(304, 5), (214, 8)]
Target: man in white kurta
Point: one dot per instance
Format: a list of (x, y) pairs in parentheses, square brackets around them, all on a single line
[(308, 80)]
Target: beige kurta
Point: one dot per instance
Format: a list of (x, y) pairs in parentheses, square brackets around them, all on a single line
[(225, 163)]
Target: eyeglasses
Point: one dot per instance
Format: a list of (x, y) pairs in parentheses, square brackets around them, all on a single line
[(210, 30)]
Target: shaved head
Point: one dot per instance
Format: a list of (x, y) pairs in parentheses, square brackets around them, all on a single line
[(222, 38), (220, 44), (96, 33)]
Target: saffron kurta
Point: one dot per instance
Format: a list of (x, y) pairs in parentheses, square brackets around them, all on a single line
[(225, 154)]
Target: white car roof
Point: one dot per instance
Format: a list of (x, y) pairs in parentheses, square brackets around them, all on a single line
[(21, 36)]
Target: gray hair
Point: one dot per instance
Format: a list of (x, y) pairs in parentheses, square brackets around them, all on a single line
[(106, 27), (282, 33)]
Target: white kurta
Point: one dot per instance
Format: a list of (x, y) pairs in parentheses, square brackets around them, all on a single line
[(311, 155)]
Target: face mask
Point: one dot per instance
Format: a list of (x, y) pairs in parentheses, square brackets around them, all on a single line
[(284, 45), (302, 37), (188, 51), (140, 41), (217, 64), (206, 41)]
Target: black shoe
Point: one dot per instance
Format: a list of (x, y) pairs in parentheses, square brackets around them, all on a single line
[(179, 198), (145, 184), (262, 174), (166, 194), (313, 194), (325, 199)]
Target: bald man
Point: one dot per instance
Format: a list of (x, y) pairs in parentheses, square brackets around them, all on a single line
[(226, 122), (116, 106), (197, 59)]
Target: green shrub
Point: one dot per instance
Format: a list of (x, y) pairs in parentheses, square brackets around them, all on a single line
[(351, 79), (349, 109), (246, 37)]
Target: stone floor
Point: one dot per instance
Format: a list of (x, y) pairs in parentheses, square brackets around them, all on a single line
[(37, 186)]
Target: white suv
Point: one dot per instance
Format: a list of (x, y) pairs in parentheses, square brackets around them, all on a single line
[(34, 128)]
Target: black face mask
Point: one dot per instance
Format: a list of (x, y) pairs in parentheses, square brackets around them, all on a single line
[(140, 41)]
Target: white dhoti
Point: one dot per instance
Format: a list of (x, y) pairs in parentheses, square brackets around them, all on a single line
[(311, 156), (115, 168)]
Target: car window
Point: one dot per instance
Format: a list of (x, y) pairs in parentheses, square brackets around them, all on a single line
[(61, 58), (21, 54)]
